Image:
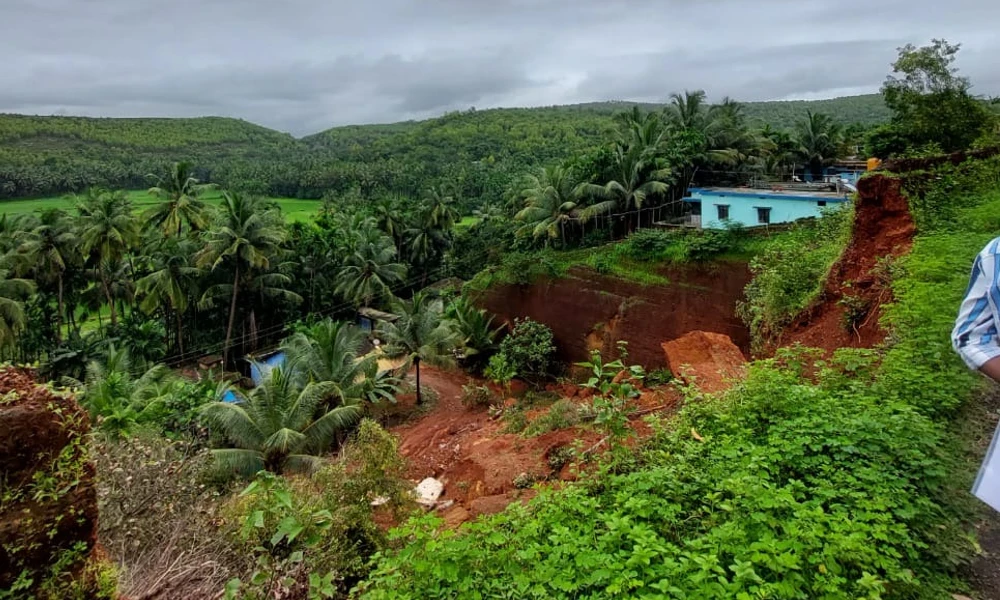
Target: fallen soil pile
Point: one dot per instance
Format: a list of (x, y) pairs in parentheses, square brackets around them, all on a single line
[(847, 315), (482, 468), (48, 513), (587, 310), (709, 360)]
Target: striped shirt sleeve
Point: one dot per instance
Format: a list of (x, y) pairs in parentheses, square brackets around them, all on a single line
[(975, 335)]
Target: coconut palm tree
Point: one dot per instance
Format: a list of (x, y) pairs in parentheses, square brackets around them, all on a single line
[(330, 351), (280, 426), (115, 397), (819, 141), (246, 237), (441, 206), (370, 268), (551, 199), (689, 112), (47, 251), (169, 284), (426, 242), (179, 190), (420, 334), (108, 231), (637, 181), (479, 336), (13, 292), (390, 221)]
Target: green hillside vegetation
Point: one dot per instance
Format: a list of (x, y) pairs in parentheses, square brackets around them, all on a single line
[(477, 152)]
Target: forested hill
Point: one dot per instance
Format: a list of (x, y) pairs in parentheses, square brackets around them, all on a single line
[(47, 155), (476, 152), (509, 131)]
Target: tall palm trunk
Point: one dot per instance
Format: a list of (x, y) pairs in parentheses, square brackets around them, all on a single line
[(111, 301), (180, 333), (232, 317), (420, 397), (60, 311)]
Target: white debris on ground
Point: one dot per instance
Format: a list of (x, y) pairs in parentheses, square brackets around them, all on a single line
[(428, 491)]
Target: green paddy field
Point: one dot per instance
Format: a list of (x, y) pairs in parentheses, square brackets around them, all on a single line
[(294, 209)]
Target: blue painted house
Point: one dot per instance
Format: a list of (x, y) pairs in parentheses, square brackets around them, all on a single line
[(711, 208)]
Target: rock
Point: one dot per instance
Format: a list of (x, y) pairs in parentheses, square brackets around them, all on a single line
[(379, 501), (710, 359), (445, 505), (518, 387), (428, 491), (489, 505), (456, 516)]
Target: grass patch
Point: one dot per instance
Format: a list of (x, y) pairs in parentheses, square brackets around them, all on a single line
[(294, 209)]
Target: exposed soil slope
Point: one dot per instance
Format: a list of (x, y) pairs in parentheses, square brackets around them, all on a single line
[(50, 502), (587, 310), (476, 461), (883, 227), (709, 360)]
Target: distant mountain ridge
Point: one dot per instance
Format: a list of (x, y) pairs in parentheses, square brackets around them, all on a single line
[(476, 151)]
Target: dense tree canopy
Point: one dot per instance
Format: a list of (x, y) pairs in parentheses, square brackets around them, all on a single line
[(477, 153)]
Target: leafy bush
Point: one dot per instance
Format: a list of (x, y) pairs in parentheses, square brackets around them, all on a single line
[(315, 536), (475, 396), (560, 415), (650, 244), (659, 377), (529, 348), (789, 275), (703, 245)]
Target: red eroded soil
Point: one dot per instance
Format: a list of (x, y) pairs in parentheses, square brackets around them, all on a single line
[(477, 463), (587, 310), (883, 227), (35, 427), (711, 360)]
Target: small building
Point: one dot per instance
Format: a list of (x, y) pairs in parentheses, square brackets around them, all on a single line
[(713, 208)]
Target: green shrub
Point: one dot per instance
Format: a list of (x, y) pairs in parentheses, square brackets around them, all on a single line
[(475, 396), (560, 415), (650, 244), (659, 377), (515, 420), (316, 535), (790, 274), (529, 348)]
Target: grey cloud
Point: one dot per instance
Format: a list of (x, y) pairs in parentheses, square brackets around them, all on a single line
[(304, 65)]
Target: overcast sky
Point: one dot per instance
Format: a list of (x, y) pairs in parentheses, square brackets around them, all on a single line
[(306, 65)]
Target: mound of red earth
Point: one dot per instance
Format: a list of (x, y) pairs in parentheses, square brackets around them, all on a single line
[(49, 509), (883, 228), (709, 360), (482, 468)]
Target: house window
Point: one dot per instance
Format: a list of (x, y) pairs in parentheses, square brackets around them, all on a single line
[(821, 203), (723, 211), (763, 215)]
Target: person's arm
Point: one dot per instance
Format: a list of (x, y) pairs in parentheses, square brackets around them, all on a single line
[(976, 336), (992, 369)]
